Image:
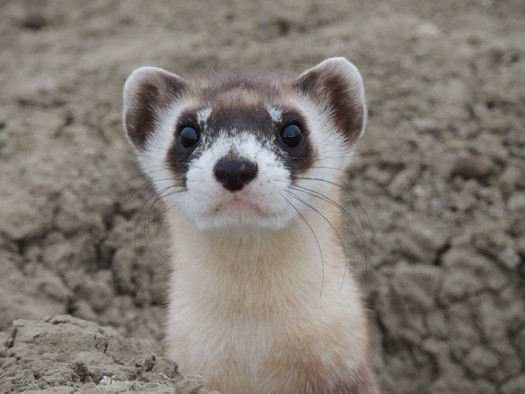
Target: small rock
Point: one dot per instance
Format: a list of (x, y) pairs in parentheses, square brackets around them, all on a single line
[(34, 19), (471, 166), (149, 362), (510, 258), (427, 30)]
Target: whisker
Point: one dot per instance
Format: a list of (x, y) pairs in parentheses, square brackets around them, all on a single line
[(362, 238), (150, 200), (137, 189), (326, 199), (326, 168), (315, 237), (148, 207), (331, 225), (147, 225), (149, 238), (141, 186), (352, 197), (165, 195)]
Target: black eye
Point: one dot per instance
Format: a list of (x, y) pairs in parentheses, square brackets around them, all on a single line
[(291, 135), (188, 137)]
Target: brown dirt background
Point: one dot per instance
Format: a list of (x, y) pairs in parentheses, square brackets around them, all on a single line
[(445, 271)]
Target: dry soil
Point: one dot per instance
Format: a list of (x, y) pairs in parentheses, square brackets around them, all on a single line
[(440, 174)]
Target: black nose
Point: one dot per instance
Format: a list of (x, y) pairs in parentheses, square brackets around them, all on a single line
[(235, 174)]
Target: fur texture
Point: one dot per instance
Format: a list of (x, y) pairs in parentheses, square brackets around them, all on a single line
[(261, 300)]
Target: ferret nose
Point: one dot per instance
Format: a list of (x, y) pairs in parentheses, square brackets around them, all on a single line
[(233, 175)]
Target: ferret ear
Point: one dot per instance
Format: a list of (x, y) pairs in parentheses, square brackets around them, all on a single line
[(336, 86), (146, 91)]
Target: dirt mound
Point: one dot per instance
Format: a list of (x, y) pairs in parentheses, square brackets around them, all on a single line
[(65, 354), (440, 172)]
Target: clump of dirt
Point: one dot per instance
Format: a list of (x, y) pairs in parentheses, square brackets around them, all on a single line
[(445, 271), (65, 354)]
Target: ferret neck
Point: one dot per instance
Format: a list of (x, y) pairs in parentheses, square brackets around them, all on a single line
[(295, 248)]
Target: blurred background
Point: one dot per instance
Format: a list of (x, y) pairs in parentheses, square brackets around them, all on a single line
[(440, 171)]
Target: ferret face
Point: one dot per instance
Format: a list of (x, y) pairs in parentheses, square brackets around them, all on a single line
[(248, 151)]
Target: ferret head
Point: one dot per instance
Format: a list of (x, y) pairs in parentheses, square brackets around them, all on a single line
[(245, 151)]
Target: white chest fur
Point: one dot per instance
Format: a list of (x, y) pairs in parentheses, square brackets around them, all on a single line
[(270, 302)]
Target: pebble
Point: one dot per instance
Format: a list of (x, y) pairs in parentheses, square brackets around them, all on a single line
[(34, 19), (470, 166)]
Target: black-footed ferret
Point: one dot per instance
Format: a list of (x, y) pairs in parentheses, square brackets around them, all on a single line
[(260, 299)]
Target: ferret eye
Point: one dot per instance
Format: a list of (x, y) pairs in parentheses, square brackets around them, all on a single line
[(291, 135), (188, 137)]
